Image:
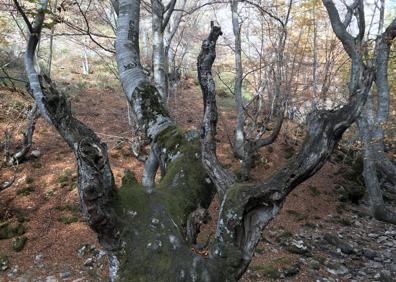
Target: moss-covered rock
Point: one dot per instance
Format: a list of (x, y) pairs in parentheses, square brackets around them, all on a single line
[(26, 191), (9, 230), (18, 243)]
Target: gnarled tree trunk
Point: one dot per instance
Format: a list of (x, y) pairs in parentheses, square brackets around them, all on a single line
[(146, 229)]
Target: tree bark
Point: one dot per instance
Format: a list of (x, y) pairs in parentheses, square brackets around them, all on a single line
[(146, 232), (159, 59), (240, 122), (371, 129)]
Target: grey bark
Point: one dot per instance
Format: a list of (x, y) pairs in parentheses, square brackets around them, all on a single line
[(370, 126), (220, 176), (96, 184), (240, 122), (371, 129), (145, 233), (159, 62), (170, 31)]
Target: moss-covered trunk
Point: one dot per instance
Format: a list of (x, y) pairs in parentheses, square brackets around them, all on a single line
[(154, 243)]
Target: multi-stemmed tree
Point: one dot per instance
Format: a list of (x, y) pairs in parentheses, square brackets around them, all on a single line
[(148, 229)]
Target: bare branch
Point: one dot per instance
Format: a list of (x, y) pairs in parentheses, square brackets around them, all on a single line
[(88, 30), (20, 10), (265, 12), (168, 13), (339, 28)]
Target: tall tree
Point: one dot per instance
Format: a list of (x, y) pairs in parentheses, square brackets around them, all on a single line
[(146, 228), (239, 129), (165, 22), (376, 69)]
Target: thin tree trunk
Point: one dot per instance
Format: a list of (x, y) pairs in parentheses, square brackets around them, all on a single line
[(240, 122), (159, 64)]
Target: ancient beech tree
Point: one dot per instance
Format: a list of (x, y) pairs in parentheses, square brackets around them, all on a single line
[(146, 228)]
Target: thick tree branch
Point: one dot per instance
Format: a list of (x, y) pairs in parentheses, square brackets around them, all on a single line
[(246, 209), (350, 10), (142, 96), (168, 11), (20, 10), (95, 179), (221, 177), (340, 29)]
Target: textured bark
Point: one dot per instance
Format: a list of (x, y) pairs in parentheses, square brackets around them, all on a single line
[(370, 174), (194, 223), (221, 177), (252, 147), (96, 185), (245, 208), (371, 128), (145, 228), (159, 63), (370, 125)]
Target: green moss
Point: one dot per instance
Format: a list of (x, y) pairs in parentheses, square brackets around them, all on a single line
[(129, 179), (130, 196), (284, 236), (72, 213), (18, 243), (49, 193), (9, 230), (314, 191), (25, 191), (170, 138), (64, 178), (75, 208), (29, 180), (151, 102), (185, 185), (68, 219), (267, 270), (289, 266)]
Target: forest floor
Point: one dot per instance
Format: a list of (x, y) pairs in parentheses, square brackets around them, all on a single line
[(319, 234)]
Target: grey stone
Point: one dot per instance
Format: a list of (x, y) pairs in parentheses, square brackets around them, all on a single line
[(385, 276), (64, 275), (336, 269), (36, 154), (370, 254), (89, 262), (345, 247), (39, 258)]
